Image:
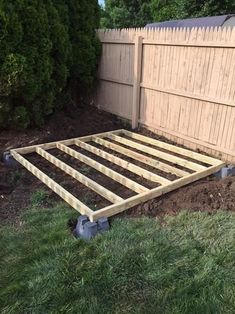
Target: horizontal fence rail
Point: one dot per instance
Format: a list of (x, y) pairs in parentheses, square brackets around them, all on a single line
[(179, 83)]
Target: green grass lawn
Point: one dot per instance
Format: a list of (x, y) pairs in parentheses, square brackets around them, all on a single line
[(186, 265)]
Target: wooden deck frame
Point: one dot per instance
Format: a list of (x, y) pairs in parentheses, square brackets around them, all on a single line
[(175, 156)]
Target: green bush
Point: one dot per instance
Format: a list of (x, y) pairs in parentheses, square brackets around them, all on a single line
[(20, 117), (46, 46)]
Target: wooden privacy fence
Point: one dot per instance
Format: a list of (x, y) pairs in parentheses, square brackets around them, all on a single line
[(180, 83)]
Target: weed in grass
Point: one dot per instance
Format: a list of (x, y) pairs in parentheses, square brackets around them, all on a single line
[(138, 266), (39, 197)]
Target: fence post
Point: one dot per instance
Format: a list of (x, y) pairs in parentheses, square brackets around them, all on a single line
[(136, 83)]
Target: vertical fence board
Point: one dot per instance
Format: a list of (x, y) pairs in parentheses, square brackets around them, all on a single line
[(136, 83), (178, 82)]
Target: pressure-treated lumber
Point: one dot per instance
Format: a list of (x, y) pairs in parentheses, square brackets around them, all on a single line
[(118, 203), (112, 197), (51, 145), (173, 148), (137, 199), (157, 153), (103, 169), (191, 143), (140, 157), (65, 195), (123, 163)]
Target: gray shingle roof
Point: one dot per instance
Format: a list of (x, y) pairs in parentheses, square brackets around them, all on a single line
[(209, 21)]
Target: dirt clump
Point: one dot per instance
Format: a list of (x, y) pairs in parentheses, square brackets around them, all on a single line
[(209, 194)]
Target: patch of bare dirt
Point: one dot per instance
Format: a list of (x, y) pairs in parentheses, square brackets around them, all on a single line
[(73, 122), (17, 185), (209, 194)]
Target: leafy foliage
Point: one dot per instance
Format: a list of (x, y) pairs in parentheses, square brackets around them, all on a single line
[(44, 46), (126, 13), (179, 9), (131, 13), (185, 265)]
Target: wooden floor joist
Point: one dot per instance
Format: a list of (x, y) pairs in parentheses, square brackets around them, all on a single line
[(157, 153), (122, 163), (54, 186), (113, 198), (122, 142), (137, 199), (105, 170), (175, 149), (140, 157)]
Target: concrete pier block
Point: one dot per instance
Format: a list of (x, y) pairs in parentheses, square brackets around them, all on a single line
[(87, 230), (225, 172), (103, 224), (90, 230), (9, 160)]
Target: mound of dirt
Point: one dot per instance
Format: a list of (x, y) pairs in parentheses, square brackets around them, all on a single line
[(210, 194)]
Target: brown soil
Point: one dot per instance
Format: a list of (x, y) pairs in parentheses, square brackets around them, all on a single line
[(209, 194), (17, 185)]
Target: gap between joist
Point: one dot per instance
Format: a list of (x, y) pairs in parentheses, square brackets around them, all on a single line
[(143, 193), (172, 148), (123, 163), (130, 184), (154, 152), (54, 186), (112, 197), (137, 199), (140, 157)]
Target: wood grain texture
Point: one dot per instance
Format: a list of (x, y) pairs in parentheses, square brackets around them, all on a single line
[(140, 157), (136, 81), (186, 83), (46, 146), (157, 153)]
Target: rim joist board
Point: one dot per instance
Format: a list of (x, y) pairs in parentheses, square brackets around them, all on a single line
[(187, 165)]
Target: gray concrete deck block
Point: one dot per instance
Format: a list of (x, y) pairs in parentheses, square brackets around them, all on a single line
[(225, 172), (80, 224), (103, 224), (88, 230), (9, 160)]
